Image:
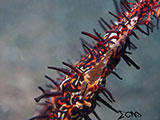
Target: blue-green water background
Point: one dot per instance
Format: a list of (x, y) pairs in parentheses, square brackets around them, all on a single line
[(37, 33)]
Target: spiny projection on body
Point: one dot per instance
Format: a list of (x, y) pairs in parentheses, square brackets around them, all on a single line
[(76, 96)]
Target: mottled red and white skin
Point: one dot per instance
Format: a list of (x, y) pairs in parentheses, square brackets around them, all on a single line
[(76, 96)]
